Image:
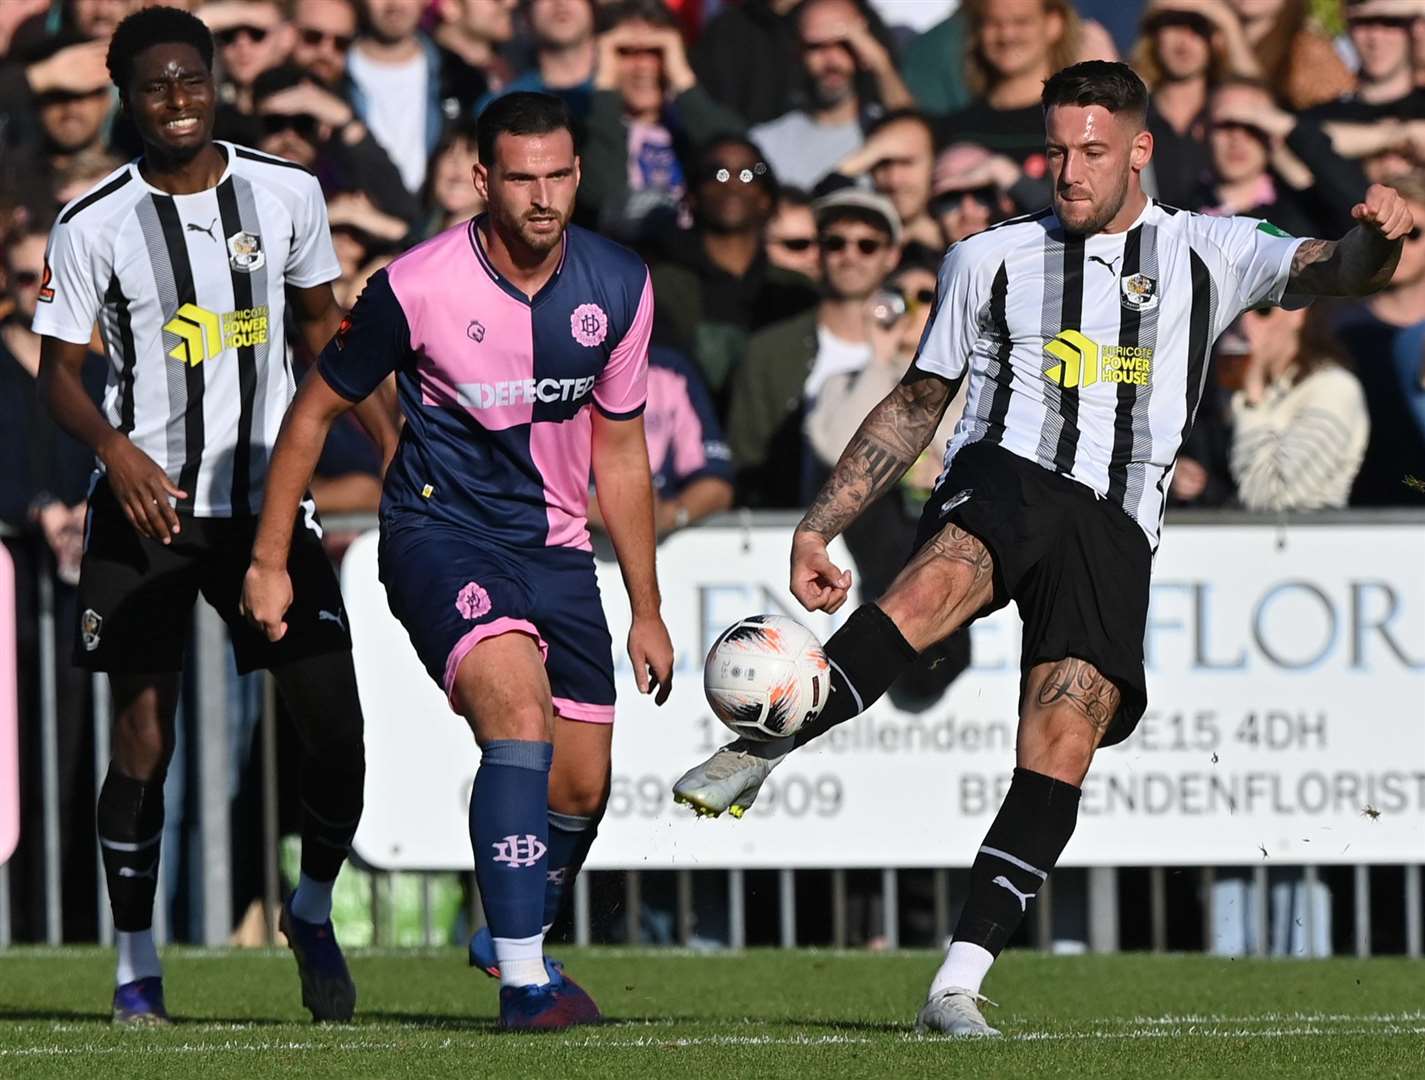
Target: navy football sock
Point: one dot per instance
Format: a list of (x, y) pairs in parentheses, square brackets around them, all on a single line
[(570, 837), (509, 832)]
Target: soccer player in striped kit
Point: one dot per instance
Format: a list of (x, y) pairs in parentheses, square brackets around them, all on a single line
[(520, 349), (1084, 330), (185, 257)]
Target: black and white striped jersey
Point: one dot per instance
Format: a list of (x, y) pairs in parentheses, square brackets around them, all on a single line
[(1088, 355), (188, 292)]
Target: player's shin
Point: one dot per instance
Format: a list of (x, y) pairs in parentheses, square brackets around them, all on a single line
[(570, 838), (130, 820), (1024, 843), (332, 796), (509, 832), (867, 655)]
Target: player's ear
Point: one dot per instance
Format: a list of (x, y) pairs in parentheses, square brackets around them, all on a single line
[(1142, 150), (480, 176), (578, 165)]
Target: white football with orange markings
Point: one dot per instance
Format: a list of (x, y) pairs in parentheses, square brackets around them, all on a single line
[(766, 676)]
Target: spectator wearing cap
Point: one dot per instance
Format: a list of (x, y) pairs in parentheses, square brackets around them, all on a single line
[(1181, 60), (898, 157), (1383, 118), (1385, 335), (1014, 46), (787, 364), (565, 55), (302, 121), (790, 235), (714, 284), (396, 72), (850, 78), (690, 462), (971, 190), (647, 114)]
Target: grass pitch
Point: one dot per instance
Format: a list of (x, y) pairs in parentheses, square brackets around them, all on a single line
[(425, 1014)]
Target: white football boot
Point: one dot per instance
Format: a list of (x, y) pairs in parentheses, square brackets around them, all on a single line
[(731, 778), (955, 1011)]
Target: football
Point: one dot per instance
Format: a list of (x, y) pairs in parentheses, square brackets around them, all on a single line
[(766, 676)]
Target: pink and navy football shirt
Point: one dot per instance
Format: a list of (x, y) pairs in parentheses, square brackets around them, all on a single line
[(497, 387)]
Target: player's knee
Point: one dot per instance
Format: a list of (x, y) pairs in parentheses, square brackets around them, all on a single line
[(582, 793), (141, 747), (925, 604), (528, 721)]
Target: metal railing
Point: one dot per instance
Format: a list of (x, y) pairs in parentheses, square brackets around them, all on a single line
[(213, 809)]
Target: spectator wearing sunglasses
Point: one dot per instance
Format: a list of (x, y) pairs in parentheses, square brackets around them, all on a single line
[(1385, 334), (1299, 421), (790, 235), (714, 283), (895, 317), (646, 115), (252, 36), (970, 191), (69, 110), (306, 123), (323, 33), (850, 78), (859, 236)]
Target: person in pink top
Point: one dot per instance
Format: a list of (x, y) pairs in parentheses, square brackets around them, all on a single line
[(520, 349)]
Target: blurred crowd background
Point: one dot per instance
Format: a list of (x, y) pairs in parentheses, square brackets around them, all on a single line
[(792, 171)]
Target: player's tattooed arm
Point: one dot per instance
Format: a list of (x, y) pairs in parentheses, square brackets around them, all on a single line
[(886, 444), (1361, 262)]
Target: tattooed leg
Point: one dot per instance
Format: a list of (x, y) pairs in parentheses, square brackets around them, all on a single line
[(1067, 709), (945, 584)]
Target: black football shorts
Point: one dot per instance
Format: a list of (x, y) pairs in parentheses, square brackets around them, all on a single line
[(1076, 566), (136, 595)]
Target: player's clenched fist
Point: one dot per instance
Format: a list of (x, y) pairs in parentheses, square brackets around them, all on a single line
[(266, 596), (1385, 212), (817, 582)]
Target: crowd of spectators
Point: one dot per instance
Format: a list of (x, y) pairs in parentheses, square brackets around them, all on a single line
[(792, 171)]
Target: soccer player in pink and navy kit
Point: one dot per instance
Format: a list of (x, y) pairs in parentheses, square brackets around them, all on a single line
[(520, 350)]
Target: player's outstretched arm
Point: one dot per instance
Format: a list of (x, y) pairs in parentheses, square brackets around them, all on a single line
[(886, 444), (624, 488), (1361, 262), (267, 591), (141, 488)]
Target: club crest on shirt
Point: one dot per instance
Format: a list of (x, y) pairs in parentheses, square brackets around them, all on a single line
[(90, 625), (1140, 292), (475, 331), (589, 325), (245, 252)]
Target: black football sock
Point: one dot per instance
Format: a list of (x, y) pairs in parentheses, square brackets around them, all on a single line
[(331, 810), (130, 820), (1020, 850), (867, 654)]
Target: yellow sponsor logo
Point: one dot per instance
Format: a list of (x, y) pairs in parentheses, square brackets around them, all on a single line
[(203, 334), (1079, 361)]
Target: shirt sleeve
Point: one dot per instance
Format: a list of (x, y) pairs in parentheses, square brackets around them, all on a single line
[(370, 343), (69, 300), (622, 387), (698, 446), (1257, 257), (954, 325), (312, 260)]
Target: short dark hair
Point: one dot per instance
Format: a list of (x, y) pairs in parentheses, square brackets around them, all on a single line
[(1107, 83), (901, 116), (520, 113), (274, 80), (154, 26)]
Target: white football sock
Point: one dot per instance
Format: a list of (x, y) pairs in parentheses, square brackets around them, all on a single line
[(312, 902), (521, 961), (138, 956), (965, 966)]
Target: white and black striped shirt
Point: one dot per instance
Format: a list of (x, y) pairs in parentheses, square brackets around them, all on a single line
[(1088, 355), (188, 291)]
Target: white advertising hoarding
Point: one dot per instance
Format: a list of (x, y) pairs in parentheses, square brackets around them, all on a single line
[(1286, 714)]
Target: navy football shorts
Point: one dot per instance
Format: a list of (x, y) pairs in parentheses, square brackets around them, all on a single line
[(453, 589)]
